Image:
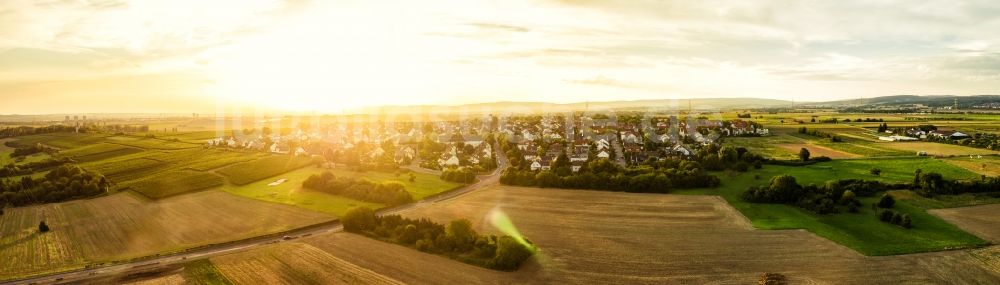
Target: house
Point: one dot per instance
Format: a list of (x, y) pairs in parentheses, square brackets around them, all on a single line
[(450, 161), (603, 154), (536, 165), (955, 135), (681, 150), (576, 165)]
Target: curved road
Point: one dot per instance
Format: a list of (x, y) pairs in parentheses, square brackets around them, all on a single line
[(151, 263)]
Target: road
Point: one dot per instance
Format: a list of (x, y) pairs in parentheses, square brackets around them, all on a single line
[(153, 263)]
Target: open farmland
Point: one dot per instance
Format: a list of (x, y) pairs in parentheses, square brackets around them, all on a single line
[(294, 263), (248, 172), (291, 192), (121, 226), (982, 221), (175, 182), (986, 165), (61, 140), (99, 151), (815, 151), (938, 149), (859, 231), (592, 237)]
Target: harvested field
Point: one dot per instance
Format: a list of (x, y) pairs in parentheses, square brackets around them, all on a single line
[(938, 149), (294, 263), (815, 150), (122, 226), (982, 221), (590, 237), (987, 165)]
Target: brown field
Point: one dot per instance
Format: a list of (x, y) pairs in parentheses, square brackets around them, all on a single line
[(591, 237), (938, 149), (294, 263), (989, 166), (981, 221), (122, 226), (815, 150)]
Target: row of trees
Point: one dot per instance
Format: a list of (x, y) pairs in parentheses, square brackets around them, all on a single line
[(29, 150), (390, 193), (932, 183), (977, 140), (825, 199), (815, 133), (458, 240), (460, 175), (66, 182), (12, 169), (602, 174)]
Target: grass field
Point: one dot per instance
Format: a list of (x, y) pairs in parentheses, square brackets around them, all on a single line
[(122, 226), (174, 182), (596, 237), (986, 165), (291, 192), (938, 149), (859, 231), (816, 151), (99, 151), (270, 166)]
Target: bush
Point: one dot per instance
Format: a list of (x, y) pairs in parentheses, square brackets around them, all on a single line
[(886, 201), (875, 171), (42, 227), (742, 167), (358, 219), (510, 254)]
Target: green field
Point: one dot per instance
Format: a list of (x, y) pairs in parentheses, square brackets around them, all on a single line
[(203, 272), (291, 192), (248, 172), (171, 183), (860, 231)]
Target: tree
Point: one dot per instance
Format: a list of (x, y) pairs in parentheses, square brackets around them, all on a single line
[(413, 177), (804, 154), (42, 227), (741, 166), (461, 235), (906, 222), (847, 197), (875, 171), (886, 201), (510, 253), (359, 219)]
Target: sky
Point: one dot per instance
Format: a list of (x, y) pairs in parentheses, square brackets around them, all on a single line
[(63, 56)]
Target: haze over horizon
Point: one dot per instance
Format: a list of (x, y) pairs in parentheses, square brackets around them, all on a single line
[(152, 57)]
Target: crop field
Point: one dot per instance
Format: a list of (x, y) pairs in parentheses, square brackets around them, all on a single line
[(128, 169), (986, 165), (293, 263), (424, 185), (61, 140), (174, 182), (100, 151), (981, 220), (815, 150), (222, 159), (150, 143), (594, 237), (248, 172), (938, 149), (121, 226)]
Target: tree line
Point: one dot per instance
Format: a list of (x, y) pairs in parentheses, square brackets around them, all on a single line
[(390, 193), (602, 174), (66, 182), (828, 198), (458, 240), (12, 169), (931, 183), (29, 150), (460, 175)]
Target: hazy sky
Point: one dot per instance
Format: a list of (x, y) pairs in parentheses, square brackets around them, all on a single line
[(185, 56)]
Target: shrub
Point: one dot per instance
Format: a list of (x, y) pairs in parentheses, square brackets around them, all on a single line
[(359, 219), (886, 201), (875, 171), (742, 167), (42, 227)]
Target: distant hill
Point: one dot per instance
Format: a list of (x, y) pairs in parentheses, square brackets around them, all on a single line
[(929, 100), (656, 104)]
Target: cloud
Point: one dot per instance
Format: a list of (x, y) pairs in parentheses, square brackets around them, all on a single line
[(503, 27)]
